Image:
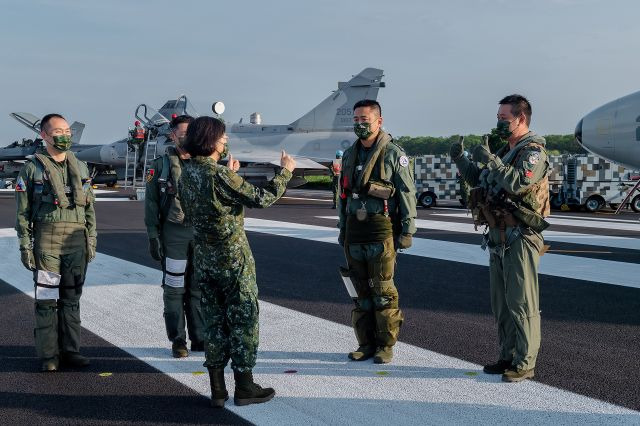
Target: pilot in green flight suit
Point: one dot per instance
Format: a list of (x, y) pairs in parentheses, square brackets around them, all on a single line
[(377, 209), (171, 242), (56, 226), (511, 197)]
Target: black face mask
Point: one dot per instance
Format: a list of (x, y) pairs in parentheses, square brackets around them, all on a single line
[(502, 129)]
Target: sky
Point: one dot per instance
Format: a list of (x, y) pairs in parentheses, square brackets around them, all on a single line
[(447, 63)]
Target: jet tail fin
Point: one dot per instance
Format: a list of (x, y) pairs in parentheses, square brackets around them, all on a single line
[(336, 111), (76, 132), (30, 121)]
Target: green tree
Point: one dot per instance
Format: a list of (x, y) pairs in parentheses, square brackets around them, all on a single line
[(439, 145)]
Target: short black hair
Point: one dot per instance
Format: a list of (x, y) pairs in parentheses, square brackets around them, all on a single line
[(179, 120), (202, 135), (519, 105), (369, 103), (45, 120)]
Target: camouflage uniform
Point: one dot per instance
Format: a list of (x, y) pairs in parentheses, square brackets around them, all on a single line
[(520, 174), (370, 245), (164, 219), (213, 198), (56, 218)]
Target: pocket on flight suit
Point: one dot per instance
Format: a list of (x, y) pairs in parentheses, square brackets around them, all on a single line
[(382, 266)]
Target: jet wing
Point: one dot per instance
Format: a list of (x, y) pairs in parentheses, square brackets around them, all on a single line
[(273, 157)]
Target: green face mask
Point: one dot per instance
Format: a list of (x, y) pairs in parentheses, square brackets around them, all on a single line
[(502, 129), (225, 151), (362, 130), (62, 143)]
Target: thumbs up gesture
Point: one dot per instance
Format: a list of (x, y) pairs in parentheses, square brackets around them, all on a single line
[(287, 161), (233, 164)]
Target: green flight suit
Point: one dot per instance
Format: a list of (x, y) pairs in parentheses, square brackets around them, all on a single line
[(370, 245), (164, 218), (213, 198), (56, 219), (513, 265)]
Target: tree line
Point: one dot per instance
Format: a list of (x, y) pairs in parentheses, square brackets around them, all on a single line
[(439, 145)]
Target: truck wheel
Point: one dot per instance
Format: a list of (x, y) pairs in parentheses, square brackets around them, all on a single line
[(593, 204), (635, 204), (427, 200)]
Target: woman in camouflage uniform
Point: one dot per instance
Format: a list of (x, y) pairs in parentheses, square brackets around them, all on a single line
[(213, 198)]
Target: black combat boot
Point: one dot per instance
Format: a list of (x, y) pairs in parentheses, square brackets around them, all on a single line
[(197, 346), (179, 349), (219, 392), (73, 360), (499, 367), (248, 392), (363, 353), (50, 364)]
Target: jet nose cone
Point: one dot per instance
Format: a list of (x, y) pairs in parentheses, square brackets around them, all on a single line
[(578, 132)]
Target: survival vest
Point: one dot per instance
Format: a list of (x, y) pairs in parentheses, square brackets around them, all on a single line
[(45, 204), (170, 208)]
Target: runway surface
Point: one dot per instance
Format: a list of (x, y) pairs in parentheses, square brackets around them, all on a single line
[(587, 370)]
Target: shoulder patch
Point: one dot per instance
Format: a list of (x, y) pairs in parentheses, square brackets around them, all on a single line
[(231, 178), (404, 161), (20, 185), (534, 157), (150, 174)]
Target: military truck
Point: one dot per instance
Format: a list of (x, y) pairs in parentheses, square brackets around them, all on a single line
[(576, 181), (590, 182), (437, 178)]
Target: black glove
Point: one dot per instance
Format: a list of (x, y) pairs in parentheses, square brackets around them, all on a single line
[(155, 248), (93, 243), (26, 256), (456, 149), (404, 241), (482, 153), (341, 238)]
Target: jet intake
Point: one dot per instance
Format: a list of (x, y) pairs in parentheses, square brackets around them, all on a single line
[(578, 132)]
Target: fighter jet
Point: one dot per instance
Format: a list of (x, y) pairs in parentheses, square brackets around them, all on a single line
[(312, 139), (612, 131), (315, 136)]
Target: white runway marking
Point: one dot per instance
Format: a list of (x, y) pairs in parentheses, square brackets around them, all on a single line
[(610, 218), (580, 268), (122, 303), (559, 221), (114, 199), (559, 236), (324, 200)]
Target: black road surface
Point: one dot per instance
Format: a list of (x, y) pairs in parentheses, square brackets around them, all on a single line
[(590, 331)]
